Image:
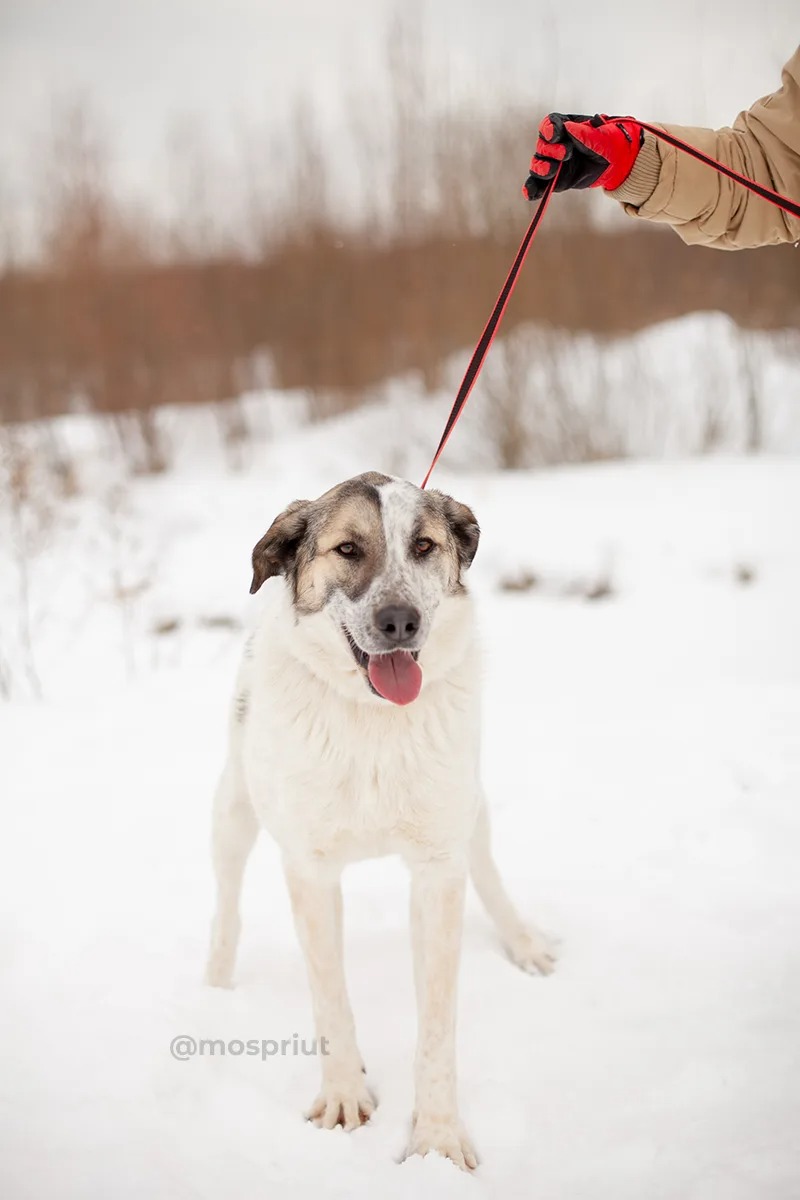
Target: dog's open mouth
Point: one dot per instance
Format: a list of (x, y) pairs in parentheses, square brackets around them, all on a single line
[(395, 676)]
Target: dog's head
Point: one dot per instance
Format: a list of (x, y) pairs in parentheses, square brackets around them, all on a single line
[(374, 558)]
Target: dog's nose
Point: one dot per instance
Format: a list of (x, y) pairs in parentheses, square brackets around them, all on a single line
[(398, 622)]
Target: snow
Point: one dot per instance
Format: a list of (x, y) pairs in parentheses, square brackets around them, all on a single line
[(642, 758)]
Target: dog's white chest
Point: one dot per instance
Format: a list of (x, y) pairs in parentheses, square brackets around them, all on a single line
[(347, 781)]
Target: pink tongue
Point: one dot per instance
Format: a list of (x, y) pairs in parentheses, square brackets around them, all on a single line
[(395, 676)]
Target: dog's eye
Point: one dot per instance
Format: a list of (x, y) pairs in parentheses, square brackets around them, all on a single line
[(423, 546), (347, 550)]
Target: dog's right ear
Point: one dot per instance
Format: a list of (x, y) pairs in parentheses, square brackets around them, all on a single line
[(274, 554)]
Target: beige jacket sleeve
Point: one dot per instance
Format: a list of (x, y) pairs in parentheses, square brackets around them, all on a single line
[(703, 206)]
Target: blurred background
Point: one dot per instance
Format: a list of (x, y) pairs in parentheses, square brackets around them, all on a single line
[(220, 223)]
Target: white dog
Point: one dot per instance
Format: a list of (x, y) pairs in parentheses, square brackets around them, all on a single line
[(355, 733)]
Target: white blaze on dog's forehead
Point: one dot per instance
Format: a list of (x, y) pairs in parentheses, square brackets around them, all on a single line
[(400, 506)]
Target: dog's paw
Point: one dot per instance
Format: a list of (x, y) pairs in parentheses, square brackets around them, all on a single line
[(219, 968), (222, 951), (445, 1137), (348, 1104), (532, 952)]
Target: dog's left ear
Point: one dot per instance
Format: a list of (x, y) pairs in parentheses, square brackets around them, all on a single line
[(274, 554), (463, 526)]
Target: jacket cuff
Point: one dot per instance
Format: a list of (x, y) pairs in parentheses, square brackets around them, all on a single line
[(637, 189)]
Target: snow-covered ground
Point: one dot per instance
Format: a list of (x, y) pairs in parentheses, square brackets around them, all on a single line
[(130, 576), (642, 757)]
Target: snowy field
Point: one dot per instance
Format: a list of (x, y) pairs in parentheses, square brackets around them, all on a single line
[(642, 759)]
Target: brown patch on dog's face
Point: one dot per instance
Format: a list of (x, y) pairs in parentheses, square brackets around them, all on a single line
[(461, 533), (307, 543), (347, 550)]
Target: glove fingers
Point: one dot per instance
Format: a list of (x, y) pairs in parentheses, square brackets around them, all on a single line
[(543, 168), (552, 127), (542, 172), (533, 187), (548, 132), (545, 150)]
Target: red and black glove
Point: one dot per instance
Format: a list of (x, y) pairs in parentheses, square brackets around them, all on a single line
[(592, 152)]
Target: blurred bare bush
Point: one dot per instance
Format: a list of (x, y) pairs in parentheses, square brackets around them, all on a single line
[(124, 310)]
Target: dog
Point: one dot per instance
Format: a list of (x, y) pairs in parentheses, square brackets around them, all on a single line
[(354, 733)]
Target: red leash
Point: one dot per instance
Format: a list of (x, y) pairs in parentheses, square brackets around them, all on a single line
[(492, 325), (790, 206), (487, 337)]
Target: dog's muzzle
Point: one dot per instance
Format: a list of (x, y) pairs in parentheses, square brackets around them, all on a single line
[(393, 675)]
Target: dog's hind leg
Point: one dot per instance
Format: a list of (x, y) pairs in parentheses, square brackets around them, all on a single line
[(233, 834), (526, 946)]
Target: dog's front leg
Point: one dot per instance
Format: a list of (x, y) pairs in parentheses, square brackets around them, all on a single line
[(437, 909), (317, 907)]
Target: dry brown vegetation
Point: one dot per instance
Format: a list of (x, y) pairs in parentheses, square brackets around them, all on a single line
[(122, 312), (258, 271)]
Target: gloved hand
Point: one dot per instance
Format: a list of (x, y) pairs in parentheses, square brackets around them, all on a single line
[(592, 151)]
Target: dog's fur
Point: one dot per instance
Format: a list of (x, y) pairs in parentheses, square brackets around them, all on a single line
[(336, 773)]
